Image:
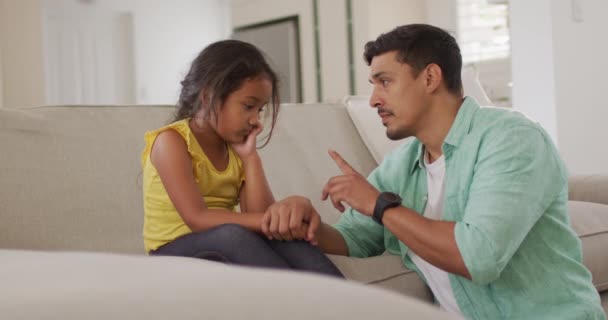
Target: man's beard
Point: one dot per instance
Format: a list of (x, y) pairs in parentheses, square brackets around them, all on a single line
[(397, 134)]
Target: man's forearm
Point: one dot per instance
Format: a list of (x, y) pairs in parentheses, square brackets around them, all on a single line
[(331, 241), (432, 240)]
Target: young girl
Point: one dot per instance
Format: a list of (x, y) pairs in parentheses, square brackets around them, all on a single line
[(198, 168)]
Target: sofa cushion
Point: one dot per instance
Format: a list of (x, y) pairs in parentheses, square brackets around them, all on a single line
[(71, 175), (472, 86), (370, 127), (296, 159), (386, 271), (75, 285), (590, 221), (589, 188)]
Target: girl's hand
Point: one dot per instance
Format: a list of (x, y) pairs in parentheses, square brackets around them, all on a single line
[(248, 148), (293, 218)]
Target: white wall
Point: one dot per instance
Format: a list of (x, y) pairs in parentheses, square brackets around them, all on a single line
[(1, 85), (561, 82), (370, 18), (385, 15), (167, 37), (247, 12), (443, 14), (22, 60), (580, 72), (361, 35), (333, 40), (533, 70), (88, 54)]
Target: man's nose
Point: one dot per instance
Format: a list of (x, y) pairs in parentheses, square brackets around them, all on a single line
[(374, 100)]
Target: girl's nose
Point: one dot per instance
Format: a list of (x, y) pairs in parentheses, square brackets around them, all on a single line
[(253, 121)]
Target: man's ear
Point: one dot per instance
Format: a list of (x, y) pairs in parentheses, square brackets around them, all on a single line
[(433, 77)]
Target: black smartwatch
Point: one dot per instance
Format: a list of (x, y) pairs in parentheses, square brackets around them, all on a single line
[(384, 201)]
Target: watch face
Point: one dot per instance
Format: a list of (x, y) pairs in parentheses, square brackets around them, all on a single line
[(391, 197)]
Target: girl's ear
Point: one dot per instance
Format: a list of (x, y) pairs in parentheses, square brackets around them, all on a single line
[(205, 109), (204, 97)]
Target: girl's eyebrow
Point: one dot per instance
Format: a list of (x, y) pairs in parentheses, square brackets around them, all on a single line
[(257, 99)]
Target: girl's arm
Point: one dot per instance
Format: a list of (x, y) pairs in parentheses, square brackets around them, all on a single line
[(170, 157), (255, 194)]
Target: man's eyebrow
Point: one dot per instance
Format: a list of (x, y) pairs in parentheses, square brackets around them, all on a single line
[(376, 76)]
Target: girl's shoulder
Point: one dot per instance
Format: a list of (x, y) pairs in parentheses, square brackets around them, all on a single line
[(181, 126)]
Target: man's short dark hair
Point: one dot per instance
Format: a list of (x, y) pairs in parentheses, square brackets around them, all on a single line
[(419, 45)]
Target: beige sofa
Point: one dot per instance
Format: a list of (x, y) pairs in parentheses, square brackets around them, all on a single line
[(70, 180)]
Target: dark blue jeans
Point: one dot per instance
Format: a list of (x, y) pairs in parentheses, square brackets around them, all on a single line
[(231, 243)]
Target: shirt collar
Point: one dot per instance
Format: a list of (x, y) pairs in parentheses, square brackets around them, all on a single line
[(462, 124), (419, 159), (460, 128)]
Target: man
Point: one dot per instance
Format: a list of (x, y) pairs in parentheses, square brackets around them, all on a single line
[(476, 204)]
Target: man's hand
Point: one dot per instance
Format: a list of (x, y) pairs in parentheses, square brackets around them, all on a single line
[(351, 187), (292, 218)]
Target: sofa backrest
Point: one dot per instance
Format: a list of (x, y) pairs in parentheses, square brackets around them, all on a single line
[(296, 159), (70, 176)]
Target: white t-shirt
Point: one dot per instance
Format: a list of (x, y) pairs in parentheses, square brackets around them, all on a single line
[(437, 279)]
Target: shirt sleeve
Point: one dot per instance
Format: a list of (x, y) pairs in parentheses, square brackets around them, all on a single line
[(517, 176), (363, 236)]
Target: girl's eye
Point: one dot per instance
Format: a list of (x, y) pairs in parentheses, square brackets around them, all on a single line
[(249, 107)]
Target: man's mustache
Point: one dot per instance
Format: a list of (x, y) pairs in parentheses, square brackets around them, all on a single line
[(382, 111)]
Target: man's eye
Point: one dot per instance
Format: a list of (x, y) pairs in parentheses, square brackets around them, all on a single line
[(384, 83), (249, 107)]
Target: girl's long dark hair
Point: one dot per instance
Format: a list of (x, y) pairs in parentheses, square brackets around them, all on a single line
[(220, 69)]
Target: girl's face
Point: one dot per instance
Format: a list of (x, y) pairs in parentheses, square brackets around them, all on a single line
[(240, 113)]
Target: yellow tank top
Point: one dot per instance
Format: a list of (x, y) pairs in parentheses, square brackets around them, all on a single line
[(220, 189)]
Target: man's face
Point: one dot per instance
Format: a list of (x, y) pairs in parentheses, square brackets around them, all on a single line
[(400, 97)]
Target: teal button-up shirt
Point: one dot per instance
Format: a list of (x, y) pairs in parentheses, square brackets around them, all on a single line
[(506, 188)]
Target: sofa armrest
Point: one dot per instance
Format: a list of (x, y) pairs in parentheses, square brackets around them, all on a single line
[(588, 188), (72, 285)]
